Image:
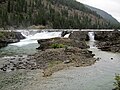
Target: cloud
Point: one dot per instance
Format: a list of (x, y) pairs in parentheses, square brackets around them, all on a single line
[(110, 6)]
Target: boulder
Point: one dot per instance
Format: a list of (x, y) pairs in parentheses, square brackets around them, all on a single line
[(64, 33)]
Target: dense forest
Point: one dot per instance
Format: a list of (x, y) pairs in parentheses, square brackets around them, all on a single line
[(49, 13)]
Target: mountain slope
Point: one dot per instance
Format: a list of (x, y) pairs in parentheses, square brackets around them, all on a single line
[(104, 14), (50, 14)]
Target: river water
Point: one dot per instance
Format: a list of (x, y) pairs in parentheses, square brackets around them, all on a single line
[(28, 45), (99, 76)]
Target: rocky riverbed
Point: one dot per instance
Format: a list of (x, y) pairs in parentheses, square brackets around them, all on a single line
[(49, 59), (53, 55)]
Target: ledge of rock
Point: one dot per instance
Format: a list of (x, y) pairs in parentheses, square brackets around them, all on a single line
[(9, 37), (79, 35), (108, 40), (47, 43)]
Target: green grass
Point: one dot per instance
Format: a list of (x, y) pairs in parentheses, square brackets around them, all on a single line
[(1, 35), (57, 46)]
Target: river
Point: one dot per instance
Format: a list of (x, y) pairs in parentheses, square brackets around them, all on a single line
[(28, 45), (99, 76)]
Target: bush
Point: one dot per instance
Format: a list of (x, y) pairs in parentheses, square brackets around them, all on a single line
[(57, 46), (1, 34), (117, 82)]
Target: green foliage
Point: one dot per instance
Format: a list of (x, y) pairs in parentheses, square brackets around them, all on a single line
[(1, 34), (57, 46), (117, 82), (52, 13)]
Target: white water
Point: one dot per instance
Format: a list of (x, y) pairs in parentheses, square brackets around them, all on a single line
[(32, 38), (27, 46), (67, 35), (91, 36)]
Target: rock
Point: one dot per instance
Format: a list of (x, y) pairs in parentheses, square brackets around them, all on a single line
[(108, 41), (64, 33), (47, 43), (79, 35), (98, 59), (67, 61), (111, 58), (49, 58), (9, 37)]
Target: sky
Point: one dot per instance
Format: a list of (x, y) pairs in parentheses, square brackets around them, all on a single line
[(110, 6)]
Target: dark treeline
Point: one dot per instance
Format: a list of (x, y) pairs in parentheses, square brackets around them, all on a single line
[(49, 13)]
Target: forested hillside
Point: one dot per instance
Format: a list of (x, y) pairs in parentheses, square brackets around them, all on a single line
[(104, 14), (49, 13)]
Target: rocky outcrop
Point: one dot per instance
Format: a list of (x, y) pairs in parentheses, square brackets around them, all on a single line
[(76, 39), (108, 41), (79, 35), (65, 42), (9, 37)]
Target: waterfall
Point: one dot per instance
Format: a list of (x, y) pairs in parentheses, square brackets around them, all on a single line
[(33, 36), (67, 35), (92, 40), (91, 36)]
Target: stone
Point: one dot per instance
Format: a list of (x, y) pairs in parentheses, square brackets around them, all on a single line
[(111, 58), (64, 33), (108, 41), (9, 37), (67, 61)]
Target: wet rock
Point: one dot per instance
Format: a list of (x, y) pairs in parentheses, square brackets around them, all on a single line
[(111, 58), (64, 33), (97, 59)]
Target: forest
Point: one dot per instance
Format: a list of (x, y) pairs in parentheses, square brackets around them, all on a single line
[(54, 14)]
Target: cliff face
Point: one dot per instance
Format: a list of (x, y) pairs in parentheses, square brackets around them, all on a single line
[(49, 13)]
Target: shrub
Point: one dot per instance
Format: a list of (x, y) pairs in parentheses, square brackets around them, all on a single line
[(117, 82), (1, 34), (57, 46)]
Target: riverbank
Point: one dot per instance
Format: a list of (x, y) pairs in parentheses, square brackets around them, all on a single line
[(7, 37)]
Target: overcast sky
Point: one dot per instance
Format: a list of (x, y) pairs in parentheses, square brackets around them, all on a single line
[(110, 6)]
